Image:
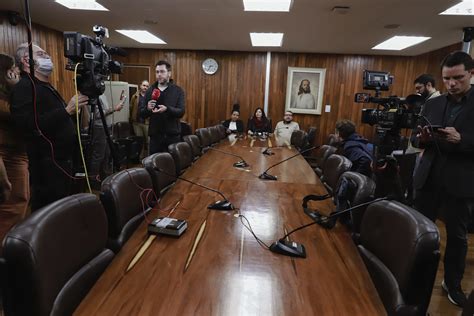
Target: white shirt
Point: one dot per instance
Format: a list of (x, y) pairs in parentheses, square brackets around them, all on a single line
[(283, 132), (305, 101), (233, 126)]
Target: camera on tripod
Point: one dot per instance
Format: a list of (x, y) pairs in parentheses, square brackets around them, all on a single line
[(395, 112), (95, 59)]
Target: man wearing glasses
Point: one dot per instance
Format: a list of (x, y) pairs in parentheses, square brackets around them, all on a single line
[(445, 177), (46, 120)]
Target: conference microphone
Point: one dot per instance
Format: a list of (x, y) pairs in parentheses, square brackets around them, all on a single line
[(267, 150), (155, 94), (291, 248), (239, 164), (267, 176), (223, 205)]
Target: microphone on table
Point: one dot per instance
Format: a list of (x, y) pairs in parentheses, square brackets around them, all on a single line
[(290, 248), (239, 164), (267, 176), (222, 205), (267, 150)]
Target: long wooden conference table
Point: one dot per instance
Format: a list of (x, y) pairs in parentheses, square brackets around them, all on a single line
[(228, 272)]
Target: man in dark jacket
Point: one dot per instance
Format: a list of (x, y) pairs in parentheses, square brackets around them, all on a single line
[(445, 175), (165, 107), (355, 147), (46, 121)]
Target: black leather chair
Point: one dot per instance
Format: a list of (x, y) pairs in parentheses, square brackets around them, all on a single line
[(124, 198), (185, 129), (332, 140), (215, 135), (468, 309), (204, 138), (298, 139), (334, 167), (400, 248), (53, 258), (222, 131), (182, 156), (193, 142), (161, 161), (122, 134), (320, 159)]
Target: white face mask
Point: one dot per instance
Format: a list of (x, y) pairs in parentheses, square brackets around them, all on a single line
[(45, 66)]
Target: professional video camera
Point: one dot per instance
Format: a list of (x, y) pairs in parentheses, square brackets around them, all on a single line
[(396, 112), (95, 60)]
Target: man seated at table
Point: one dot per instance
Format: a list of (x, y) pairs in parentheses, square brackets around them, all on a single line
[(355, 147), (285, 128)]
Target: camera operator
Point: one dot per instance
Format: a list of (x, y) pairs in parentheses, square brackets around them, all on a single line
[(425, 86), (41, 116), (445, 175), (165, 112)]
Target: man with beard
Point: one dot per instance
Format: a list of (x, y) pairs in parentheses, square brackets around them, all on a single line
[(304, 99), (425, 86), (285, 128), (164, 107)]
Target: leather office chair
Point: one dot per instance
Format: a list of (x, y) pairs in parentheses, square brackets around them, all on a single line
[(215, 135), (468, 309), (185, 129), (122, 197), (332, 140), (182, 156), (133, 144), (53, 258), (298, 139), (161, 161), (204, 138), (195, 144), (320, 159), (400, 248), (222, 131), (334, 167)]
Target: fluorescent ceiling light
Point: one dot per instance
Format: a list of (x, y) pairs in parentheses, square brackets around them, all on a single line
[(266, 39), (82, 5), (143, 37), (400, 42), (466, 7), (268, 5)]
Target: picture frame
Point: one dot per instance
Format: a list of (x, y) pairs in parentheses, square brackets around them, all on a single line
[(305, 90)]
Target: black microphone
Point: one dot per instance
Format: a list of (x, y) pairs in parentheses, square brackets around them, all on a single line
[(291, 248), (267, 150), (223, 205), (117, 51), (239, 164), (266, 176)]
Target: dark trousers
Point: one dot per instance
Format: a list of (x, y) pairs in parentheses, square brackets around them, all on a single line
[(160, 143), (99, 160), (457, 214), (48, 182)]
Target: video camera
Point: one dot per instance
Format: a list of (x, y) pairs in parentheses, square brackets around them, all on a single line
[(396, 112), (95, 60)]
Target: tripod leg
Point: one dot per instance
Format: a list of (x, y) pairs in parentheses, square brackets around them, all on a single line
[(116, 165)]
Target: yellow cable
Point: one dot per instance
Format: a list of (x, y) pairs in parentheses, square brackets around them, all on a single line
[(79, 130)]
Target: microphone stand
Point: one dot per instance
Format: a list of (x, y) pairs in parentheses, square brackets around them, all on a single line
[(239, 164), (222, 205), (267, 176)]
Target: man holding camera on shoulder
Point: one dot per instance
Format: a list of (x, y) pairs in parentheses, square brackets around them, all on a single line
[(46, 120), (165, 106)]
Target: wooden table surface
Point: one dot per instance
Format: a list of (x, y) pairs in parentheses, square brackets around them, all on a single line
[(230, 273)]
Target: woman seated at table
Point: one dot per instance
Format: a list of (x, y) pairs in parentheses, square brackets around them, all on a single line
[(234, 125), (258, 123)]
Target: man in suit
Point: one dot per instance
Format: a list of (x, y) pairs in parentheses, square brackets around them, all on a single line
[(445, 176)]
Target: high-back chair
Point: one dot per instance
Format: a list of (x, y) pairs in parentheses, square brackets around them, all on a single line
[(222, 131), (298, 139), (195, 144), (53, 258), (321, 156), (215, 135), (126, 202), (162, 181), (334, 167), (182, 155), (400, 248), (204, 138)]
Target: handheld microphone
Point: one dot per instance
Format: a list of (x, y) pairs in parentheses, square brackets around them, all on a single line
[(155, 94), (222, 205), (267, 176), (291, 248), (239, 164)]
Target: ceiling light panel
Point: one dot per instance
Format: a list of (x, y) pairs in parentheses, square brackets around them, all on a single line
[(466, 7), (400, 42), (141, 36), (268, 5), (82, 5), (266, 39)]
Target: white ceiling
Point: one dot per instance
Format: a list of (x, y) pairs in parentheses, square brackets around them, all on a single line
[(310, 26)]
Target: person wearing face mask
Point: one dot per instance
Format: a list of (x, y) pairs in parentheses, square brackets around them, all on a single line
[(234, 125), (259, 123), (47, 123), (14, 177), (164, 110)]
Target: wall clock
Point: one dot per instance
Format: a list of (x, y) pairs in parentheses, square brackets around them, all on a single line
[(210, 66)]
